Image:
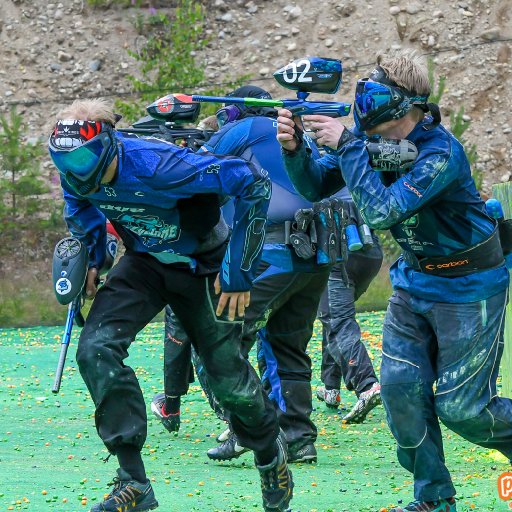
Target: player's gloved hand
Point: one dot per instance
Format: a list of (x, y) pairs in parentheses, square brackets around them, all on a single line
[(236, 301)]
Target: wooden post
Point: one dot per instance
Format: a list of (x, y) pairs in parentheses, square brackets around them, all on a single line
[(503, 193)]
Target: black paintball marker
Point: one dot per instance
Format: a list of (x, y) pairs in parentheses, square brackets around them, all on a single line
[(306, 75), (69, 272), (165, 121), (392, 155)]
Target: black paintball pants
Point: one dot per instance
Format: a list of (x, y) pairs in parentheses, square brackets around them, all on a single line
[(283, 308), (136, 289), (343, 352)]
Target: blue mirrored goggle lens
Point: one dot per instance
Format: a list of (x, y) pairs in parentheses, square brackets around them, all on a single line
[(372, 95), (83, 160), (227, 114), (222, 117)]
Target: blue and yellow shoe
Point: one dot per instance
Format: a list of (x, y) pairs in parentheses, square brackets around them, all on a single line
[(128, 495), (444, 505), (277, 480)]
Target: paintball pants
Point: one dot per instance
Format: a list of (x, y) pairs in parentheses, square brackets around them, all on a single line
[(285, 302), (136, 289), (456, 348), (343, 352)]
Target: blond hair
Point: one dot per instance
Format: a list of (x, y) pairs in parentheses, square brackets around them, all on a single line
[(407, 69), (209, 123), (89, 110)]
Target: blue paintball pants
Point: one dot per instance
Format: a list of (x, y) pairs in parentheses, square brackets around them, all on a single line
[(343, 352), (441, 361)]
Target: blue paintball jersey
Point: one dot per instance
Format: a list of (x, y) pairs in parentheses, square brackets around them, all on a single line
[(254, 139), (433, 210), (165, 200)]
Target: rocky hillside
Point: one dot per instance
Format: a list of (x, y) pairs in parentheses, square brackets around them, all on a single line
[(52, 52)]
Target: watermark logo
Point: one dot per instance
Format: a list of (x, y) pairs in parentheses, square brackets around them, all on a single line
[(505, 487)]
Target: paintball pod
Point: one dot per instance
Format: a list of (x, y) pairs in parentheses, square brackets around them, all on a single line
[(69, 272), (319, 231), (311, 74), (165, 122)]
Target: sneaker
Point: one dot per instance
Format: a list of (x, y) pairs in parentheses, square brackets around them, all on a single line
[(331, 397), (223, 436), (229, 449), (365, 403), (170, 421), (444, 505), (128, 495), (306, 453), (276, 480)]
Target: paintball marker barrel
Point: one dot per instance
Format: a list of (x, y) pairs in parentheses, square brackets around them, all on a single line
[(306, 75)]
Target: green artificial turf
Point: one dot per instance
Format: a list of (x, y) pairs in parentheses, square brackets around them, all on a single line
[(51, 457)]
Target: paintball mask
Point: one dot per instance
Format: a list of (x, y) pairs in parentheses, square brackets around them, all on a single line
[(82, 152), (379, 99), (232, 112)]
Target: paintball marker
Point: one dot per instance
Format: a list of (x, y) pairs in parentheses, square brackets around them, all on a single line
[(390, 155), (69, 273), (165, 122), (311, 74)]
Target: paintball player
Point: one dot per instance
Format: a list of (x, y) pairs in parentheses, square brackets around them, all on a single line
[(443, 328), (163, 201), (286, 291), (341, 334)]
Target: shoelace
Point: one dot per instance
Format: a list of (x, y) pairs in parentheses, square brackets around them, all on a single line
[(270, 480), (127, 494), (119, 494)]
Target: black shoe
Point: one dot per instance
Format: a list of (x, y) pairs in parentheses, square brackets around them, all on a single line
[(128, 495), (229, 449), (170, 421), (306, 453), (276, 480)]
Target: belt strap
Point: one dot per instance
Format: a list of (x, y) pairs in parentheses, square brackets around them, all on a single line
[(485, 255), (278, 233)]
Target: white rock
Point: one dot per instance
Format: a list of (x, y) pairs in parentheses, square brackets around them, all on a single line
[(295, 13), (264, 71), (394, 10), (291, 47), (329, 42)]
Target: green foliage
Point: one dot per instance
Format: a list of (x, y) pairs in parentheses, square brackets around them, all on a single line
[(378, 293), (458, 125), (21, 186), (166, 61), (435, 96)]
